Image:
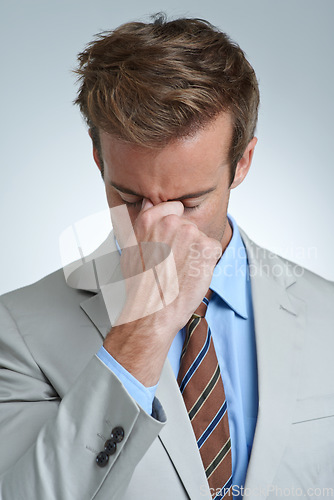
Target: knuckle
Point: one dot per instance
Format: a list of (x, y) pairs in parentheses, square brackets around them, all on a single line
[(189, 230), (170, 221)]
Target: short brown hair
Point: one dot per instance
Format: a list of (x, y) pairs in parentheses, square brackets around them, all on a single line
[(149, 84)]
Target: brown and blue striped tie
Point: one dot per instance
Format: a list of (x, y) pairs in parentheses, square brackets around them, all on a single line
[(203, 392)]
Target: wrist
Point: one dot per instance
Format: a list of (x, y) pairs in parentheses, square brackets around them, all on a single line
[(139, 350)]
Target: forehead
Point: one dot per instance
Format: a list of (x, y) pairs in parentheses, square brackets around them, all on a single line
[(194, 161)]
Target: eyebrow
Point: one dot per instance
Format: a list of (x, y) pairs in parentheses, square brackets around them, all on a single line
[(125, 190)]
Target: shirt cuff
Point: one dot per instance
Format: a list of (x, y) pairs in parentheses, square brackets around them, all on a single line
[(142, 395)]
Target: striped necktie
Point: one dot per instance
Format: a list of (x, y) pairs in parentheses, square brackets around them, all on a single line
[(203, 392)]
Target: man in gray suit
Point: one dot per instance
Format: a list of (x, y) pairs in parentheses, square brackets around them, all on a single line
[(91, 404)]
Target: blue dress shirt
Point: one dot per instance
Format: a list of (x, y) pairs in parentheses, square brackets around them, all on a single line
[(230, 318)]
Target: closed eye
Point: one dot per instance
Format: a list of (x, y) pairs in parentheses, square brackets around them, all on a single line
[(190, 208), (134, 203), (138, 203)]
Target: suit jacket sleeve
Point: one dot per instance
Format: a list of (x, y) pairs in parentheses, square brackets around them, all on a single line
[(49, 446)]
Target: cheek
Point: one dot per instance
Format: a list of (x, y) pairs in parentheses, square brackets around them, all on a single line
[(203, 218), (110, 197), (212, 218), (113, 198)]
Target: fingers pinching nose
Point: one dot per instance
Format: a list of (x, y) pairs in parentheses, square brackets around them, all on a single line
[(146, 204)]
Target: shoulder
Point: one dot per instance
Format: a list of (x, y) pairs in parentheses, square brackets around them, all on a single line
[(315, 290), (47, 315), (49, 294)]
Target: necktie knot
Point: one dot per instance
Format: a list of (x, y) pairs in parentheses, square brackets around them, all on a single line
[(201, 310)]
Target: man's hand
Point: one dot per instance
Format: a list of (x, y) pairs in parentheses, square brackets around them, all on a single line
[(141, 346)]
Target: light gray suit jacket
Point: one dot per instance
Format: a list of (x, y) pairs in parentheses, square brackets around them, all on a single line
[(59, 402)]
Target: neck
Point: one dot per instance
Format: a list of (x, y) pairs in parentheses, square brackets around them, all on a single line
[(228, 232)]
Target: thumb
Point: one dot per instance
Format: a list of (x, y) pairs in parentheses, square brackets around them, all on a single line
[(146, 204)]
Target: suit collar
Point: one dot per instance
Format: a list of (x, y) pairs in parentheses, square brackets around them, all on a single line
[(96, 311), (97, 269), (263, 262), (99, 273)]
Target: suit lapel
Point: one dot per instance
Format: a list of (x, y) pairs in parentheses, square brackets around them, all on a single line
[(101, 274), (178, 437), (279, 319), (96, 311)]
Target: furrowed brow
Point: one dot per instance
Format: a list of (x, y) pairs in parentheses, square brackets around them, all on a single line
[(194, 195), (125, 190)]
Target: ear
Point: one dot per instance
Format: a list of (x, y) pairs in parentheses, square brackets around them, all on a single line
[(95, 153), (244, 164)]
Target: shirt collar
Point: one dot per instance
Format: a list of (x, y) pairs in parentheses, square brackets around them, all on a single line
[(231, 277)]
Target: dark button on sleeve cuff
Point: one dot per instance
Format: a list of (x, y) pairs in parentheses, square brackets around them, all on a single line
[(102, 459), (117, 434), (110, 447)]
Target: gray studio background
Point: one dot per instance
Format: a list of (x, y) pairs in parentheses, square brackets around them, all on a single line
[(48, 178)]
